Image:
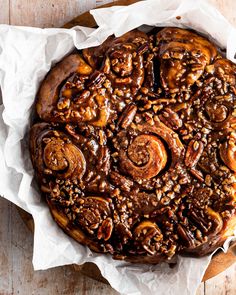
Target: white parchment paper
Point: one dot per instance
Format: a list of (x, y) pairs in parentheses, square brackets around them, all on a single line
[(26, 55)]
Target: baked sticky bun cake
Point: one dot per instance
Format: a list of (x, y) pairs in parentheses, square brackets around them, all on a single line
[(134, 145)]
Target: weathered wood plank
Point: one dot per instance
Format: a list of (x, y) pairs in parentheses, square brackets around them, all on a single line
[(16, 273), (201, 289), (5, 248), (5, 207), (4, 11), (222, 284), (48, 13)]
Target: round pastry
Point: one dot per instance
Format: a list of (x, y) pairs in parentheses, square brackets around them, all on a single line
[(134, 145)]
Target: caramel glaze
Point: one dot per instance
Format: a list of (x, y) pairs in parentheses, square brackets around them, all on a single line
[(134, 145)]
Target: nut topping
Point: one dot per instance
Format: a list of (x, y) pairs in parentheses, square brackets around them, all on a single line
[(127, 116), (105, 230), (171, 119), (228, 152), (193, 153), (134, 145), (149, 235), (186, 236)]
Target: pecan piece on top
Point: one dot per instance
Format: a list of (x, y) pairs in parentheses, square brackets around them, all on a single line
[(121, 181), (193, 153), (186, 236), (228, 152), (171, 119), (127, 116), (149, 236), (105, 230)]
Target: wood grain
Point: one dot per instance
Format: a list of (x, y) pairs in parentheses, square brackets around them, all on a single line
[(220, 262), (87, 20), (16, 272), (48, 13), (5, 247), (16, 242), (4, 11), (223, 284)]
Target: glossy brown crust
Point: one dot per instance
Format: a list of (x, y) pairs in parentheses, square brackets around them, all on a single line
[(94, 55), (56, 154), (71, 230), (48, 93), (134, 146), (188, 54)]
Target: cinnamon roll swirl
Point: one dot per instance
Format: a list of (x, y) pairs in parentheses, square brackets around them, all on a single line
[(134, 145)]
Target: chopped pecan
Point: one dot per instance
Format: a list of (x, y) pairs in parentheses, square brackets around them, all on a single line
[(103, 161), (198, 174), (143, 203), (123, 232), (199, 220), (105, 229), (216, 112), (143, 48), (186, 236), (121, 181), (193, 153), (171, 119), (228, 152), (96, 80), (127, 116), (149, 236)]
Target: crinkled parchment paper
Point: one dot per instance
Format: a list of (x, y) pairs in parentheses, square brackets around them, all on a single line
[(26, 55)]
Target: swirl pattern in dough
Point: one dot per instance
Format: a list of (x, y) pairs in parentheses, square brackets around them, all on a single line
[(134, 145)]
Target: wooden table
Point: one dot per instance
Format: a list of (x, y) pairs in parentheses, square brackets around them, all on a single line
[(16, 241)]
